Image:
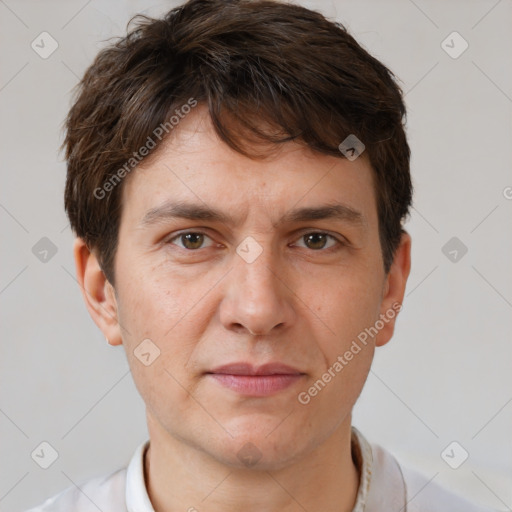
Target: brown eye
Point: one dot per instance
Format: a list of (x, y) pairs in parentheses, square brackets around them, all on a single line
[(315, 240), (190, 240), (318, 240)]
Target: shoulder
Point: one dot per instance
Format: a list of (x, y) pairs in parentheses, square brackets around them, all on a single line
[(417, 492), (423, 493), (100, 493)]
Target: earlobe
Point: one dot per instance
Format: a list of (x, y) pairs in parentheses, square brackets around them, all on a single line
[(98, 293), (394, 289)]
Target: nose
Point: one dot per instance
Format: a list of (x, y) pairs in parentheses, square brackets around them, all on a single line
[(257, 297)]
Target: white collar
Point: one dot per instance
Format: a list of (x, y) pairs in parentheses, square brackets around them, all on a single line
[(137, 499)]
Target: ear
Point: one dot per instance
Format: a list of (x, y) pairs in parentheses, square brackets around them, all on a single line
[(98, 293), (394, 289)]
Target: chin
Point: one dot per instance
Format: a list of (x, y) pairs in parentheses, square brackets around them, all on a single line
[(260, 449)]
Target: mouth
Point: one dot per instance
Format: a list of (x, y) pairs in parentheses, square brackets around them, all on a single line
[(248, 380)]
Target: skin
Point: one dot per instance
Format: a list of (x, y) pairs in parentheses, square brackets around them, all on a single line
[(298, 303)]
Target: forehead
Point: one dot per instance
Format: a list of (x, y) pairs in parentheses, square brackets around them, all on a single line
[(194, 166)]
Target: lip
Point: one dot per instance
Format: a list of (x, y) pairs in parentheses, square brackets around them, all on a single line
[(265, 380), (248, 369)]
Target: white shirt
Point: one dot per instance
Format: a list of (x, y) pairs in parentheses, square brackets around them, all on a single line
[(384, 486)]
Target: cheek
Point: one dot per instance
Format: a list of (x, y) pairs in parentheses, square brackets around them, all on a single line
[(151, 299), (349, 305), (347, 358), (141, 308), (158, 341), (348, 309)]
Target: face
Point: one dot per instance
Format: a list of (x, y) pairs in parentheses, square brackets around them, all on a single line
[(267, 286)]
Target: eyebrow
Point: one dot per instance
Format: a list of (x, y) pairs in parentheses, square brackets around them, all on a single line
[(194, 211)]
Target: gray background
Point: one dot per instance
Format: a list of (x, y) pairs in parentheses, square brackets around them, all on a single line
[(446, 374)]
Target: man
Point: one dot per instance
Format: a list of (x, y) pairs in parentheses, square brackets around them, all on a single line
[(238, 175)]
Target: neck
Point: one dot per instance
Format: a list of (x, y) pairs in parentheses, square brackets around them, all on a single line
[(181, 477)]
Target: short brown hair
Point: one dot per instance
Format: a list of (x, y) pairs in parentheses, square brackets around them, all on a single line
[(253, 62)]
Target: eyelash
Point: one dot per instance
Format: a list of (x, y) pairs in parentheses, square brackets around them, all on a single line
[(340, 244)]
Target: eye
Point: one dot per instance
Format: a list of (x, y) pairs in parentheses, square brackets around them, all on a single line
[(317, 240), (191, 240)]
